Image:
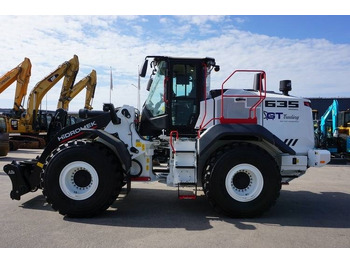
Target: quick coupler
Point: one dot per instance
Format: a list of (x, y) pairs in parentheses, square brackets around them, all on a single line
[(21, 178)]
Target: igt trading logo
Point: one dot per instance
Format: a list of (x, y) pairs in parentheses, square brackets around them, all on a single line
[(272, 115), (281, 116)]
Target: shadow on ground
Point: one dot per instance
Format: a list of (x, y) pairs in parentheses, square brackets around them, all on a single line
[(158, 208)]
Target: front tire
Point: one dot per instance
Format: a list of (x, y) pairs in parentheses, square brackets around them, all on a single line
[(241, 180), (82, 179)]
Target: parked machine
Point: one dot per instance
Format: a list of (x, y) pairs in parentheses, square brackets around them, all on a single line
[(25, 128), (20, 74), (61, 117), (333, 132), (4, 137), (239, 145)]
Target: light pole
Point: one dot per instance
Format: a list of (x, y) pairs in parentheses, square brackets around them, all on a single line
[(138, 89)]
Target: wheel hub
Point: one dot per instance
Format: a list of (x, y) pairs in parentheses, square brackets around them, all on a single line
[(241, 180), (82, 178)]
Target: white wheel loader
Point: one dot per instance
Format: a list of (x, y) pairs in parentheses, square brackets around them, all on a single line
[(238, 144)]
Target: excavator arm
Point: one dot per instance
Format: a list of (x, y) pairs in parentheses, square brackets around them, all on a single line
[(90, 82), (21, 73), (90, 90), (68, 70), (68, 83), (332, 109)]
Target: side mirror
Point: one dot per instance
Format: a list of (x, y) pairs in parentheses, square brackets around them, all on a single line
[(143, 69)]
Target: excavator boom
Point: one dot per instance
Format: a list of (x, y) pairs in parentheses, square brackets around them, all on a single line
[(90, 82), (21, 73), (90, 90), (68, 83), (42, 87)]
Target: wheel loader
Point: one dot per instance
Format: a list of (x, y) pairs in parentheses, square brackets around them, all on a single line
[(238, 144)]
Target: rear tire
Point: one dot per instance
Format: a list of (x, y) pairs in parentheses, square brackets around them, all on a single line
[(82, 180), (242, 180)]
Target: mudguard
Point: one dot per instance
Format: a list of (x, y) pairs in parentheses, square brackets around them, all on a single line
[(115, 144), (241, 132)]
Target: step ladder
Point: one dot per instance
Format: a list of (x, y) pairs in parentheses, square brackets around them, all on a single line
[(185, 165)]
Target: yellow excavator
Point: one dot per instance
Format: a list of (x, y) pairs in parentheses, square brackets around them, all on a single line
[(67, 95), (21, 74), (61, 118), (34, 121)]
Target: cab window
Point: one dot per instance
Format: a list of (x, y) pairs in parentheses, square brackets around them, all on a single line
[(155, 102)]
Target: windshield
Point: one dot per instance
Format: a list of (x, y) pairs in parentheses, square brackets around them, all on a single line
[(155, 101)]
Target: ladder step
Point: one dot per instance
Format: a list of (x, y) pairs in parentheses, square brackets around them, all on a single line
[(185, 152), (186, 195), (185, 167)]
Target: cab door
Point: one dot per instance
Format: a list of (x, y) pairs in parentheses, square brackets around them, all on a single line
[(184, 95)]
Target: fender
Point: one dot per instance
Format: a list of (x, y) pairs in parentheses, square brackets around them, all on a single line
[(73, 132), (243, 132), (112, 142)]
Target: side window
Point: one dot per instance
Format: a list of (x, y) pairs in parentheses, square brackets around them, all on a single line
[(184, 81)]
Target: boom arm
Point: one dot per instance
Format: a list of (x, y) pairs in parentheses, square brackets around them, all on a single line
[(90, 82), (90, 90), (21, 73), (68, 83), (42, 87), (333, 108)]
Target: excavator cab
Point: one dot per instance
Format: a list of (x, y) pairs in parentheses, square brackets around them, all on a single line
[(176, 87)]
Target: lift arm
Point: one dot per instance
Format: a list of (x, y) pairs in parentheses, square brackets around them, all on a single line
[(42, 87), (21, 73), (90, 82)]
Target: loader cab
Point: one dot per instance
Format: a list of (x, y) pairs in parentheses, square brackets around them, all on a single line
[(176, 87)]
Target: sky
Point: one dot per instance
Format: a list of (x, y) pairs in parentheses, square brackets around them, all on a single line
[(311, 50)]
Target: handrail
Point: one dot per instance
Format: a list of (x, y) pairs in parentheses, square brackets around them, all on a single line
[(252, 119), (261, 96), (171, 140)]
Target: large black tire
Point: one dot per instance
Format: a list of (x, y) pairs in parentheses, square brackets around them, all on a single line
[(241, 180), (82, 179)]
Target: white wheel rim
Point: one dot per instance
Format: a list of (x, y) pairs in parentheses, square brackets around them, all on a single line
[(68, 180), (250, 185)]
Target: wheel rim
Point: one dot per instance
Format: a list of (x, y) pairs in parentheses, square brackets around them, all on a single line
[(78, 180), (244, 182)]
